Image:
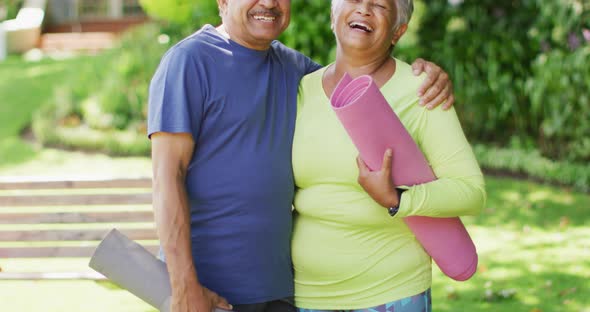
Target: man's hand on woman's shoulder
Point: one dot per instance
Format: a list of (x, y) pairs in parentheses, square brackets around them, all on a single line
[(437, 88)]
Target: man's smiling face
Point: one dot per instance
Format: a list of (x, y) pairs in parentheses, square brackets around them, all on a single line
[(255, 23)]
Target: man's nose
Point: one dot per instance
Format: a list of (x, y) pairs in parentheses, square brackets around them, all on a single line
[(268, 3)]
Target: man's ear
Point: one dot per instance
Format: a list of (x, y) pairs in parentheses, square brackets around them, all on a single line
[(221, 5), (398, 33)]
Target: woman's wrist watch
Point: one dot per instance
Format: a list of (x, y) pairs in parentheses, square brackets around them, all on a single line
[(394, 209)]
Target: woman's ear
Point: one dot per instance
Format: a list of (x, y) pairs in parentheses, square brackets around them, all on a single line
[(331, 19), (398, 33)]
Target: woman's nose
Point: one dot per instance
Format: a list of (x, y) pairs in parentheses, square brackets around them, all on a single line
[(363, 8)]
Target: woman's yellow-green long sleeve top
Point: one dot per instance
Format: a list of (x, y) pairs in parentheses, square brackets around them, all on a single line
[(348, 253)]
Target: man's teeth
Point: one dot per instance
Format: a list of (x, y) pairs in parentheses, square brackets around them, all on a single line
[(362, 26), (264, 18)]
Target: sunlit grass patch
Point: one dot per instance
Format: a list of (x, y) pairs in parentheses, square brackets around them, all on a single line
[(534, 252)]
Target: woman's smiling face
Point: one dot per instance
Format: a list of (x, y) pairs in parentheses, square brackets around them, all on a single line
[(365, 24)]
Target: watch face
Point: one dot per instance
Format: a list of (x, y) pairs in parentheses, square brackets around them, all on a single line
[(392, 210)]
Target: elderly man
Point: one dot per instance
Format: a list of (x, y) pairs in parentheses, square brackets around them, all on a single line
[(222, 112)]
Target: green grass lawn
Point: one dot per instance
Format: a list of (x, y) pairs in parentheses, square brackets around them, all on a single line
[(534, 246), (533, 242), (67, 296)]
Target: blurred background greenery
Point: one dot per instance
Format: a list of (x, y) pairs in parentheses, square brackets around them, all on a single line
[(521, 75), (520, 71)]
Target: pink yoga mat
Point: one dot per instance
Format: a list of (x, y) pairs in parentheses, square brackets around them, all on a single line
[(373, 127)]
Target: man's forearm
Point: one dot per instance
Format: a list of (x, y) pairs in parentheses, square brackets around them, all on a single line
[(173, 223)]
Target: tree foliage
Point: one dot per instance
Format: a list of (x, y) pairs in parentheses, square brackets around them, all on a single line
[(182, 12), (309, 31), (517, 69)]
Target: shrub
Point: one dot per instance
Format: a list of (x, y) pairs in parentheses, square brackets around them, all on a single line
[(532, 164), (122, 96), (555, 88), (82, 137), (490, 49), (105, 101), (309, 31)]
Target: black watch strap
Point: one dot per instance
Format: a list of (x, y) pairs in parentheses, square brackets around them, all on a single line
[(394, 209)]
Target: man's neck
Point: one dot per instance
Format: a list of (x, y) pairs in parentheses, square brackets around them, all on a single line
[(222, 31), (226, 34)]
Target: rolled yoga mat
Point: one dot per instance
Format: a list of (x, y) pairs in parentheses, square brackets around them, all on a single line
[(129, 265), (373, 127)]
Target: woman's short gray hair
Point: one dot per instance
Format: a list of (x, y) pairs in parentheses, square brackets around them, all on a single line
[(405, 8)]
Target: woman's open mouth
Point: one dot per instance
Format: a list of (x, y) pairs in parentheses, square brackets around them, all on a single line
[(361, 26)]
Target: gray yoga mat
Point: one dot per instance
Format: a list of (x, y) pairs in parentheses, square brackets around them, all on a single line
[(132, 267)]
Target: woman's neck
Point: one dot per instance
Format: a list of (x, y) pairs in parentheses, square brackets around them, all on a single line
[(381, 68), (356, 65)]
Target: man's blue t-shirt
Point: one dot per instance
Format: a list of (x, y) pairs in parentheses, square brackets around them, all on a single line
[(239, 105)]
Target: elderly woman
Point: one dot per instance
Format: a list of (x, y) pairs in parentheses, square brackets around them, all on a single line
[(348, 252)]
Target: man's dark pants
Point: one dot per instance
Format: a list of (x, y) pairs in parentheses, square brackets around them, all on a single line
[(283, 305)]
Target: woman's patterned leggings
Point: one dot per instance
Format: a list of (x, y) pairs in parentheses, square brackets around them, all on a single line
[(418, 303)]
